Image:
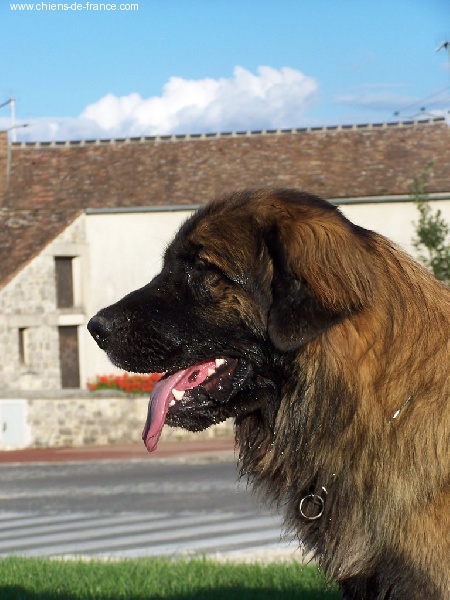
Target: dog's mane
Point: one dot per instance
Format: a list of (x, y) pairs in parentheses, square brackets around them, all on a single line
[(362, 389)]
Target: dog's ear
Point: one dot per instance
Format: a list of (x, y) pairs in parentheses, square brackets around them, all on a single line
[(321, 275), (295, 317)]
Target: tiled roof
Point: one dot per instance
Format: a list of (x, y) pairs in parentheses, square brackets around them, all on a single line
[(24, 233), (50, 183), (224, 134)]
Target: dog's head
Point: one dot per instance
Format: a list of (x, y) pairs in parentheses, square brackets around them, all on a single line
[(248, 281)]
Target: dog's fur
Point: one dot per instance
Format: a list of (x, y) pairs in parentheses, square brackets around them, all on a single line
[(341, 393)]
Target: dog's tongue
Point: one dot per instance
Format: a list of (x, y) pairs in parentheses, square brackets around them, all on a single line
[(161, 398)]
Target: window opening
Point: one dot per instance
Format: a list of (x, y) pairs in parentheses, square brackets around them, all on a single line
[(23, 345), (69, 358), (64, 281)]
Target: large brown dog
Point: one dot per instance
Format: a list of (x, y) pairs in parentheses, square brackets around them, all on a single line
[(330, 348)]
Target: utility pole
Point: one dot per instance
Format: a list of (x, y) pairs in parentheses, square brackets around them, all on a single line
[(14, 127), (12, 104)]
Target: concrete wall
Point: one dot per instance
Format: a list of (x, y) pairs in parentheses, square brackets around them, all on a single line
[(125, 253), (394, 220)]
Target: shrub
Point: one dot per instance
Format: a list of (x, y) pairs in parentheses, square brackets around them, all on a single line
[(432, 232)]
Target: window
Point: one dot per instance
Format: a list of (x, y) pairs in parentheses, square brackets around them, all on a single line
[(69, 360), (23, 346), (64, 281)]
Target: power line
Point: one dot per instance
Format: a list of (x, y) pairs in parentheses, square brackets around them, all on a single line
[(423, 101)]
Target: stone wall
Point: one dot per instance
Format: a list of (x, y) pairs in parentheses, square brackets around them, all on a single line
[(28, 301), (84, 418)]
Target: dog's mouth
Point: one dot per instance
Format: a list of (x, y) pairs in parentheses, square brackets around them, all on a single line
[(201, 388)]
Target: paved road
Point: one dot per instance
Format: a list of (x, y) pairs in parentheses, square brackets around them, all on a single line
[(132, 508)]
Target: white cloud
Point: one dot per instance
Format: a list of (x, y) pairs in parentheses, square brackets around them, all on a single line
[(270, 98)]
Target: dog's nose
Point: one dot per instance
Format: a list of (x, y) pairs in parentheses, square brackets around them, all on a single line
[(100, 327)]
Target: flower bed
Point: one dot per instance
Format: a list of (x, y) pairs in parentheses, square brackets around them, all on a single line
[(127, 382)]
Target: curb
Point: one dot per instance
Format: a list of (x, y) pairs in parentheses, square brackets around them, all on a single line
[(215, 449)]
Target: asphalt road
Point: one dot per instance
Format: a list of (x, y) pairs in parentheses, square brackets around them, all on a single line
[(120, 486), (133, 508)]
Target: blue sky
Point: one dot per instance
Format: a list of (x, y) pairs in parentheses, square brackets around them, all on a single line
[(186, 66)]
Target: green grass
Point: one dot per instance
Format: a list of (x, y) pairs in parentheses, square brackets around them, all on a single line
[(199, 579)]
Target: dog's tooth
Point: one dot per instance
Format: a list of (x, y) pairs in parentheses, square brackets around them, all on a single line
[(172, 403), (211, 372), (219, 362), (178, 394)]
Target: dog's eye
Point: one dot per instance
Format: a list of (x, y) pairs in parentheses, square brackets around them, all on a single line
[(196, 265), (202, 276), (201, 263), (194, 269)]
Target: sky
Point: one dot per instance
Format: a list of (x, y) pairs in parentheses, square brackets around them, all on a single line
[(80, 70)]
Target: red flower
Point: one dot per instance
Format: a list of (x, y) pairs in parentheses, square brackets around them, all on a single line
[(127, 382)]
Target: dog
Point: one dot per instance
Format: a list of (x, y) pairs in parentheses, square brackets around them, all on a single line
[(330, 349)]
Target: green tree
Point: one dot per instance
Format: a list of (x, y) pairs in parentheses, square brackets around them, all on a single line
[(432, 239)]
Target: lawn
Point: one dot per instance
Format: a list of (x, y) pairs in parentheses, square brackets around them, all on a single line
[(199, 579)]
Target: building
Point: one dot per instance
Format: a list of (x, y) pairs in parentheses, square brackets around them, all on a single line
[(83, 223)]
